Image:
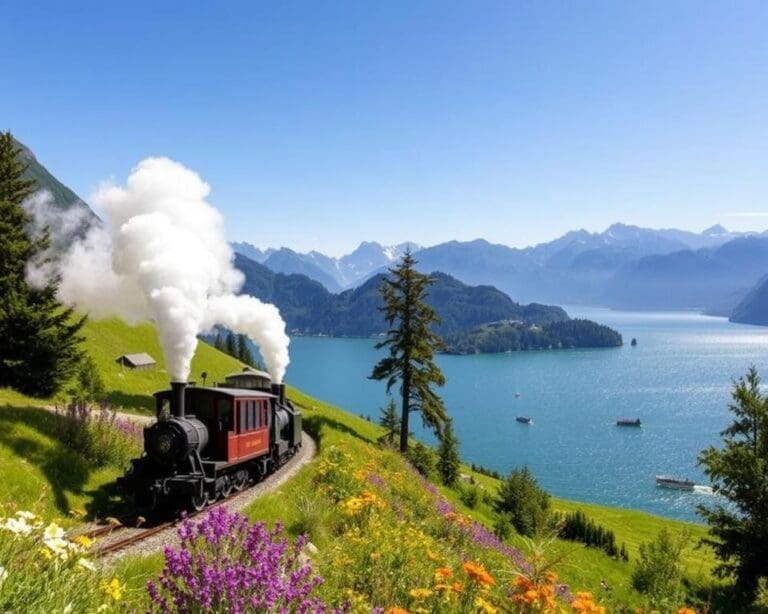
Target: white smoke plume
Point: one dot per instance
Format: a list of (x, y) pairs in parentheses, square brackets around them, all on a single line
[(163, 256)]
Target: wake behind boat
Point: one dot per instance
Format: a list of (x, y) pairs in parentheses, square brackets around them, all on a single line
[(667, 481)]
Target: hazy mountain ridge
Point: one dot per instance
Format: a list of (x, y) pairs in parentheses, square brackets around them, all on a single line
[(335, 274), (704, 278), (753, 308), (578, 267), (54, 205), (309, 308)]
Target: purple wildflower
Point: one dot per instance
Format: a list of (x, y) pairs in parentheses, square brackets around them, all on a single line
[(225, 564)]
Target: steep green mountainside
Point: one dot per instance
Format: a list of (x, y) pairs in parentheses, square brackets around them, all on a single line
[(70, 216), (753, 309)]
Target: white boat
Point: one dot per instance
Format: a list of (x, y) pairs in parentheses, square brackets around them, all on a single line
[(668, 481)]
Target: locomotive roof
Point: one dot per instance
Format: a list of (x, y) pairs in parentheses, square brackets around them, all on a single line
[(231, 392), (247, 372)]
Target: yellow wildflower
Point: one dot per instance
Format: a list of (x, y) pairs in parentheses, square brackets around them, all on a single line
[(420, 593), (113, 588), (484, 606), (84, 541)]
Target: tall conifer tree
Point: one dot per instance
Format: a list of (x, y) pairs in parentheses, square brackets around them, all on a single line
[(448, 459), (739, 474), (412, 345), (40, 342)]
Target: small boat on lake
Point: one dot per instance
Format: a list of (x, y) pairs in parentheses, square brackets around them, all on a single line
[(628, 422), (524, 419), (667, 481)]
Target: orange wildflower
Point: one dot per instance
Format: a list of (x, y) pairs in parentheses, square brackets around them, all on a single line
[(443, 573), (686, 610), (397, 610), (478, 573)]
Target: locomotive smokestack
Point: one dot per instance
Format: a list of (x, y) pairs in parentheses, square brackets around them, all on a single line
[(279, 391), (177, 398)]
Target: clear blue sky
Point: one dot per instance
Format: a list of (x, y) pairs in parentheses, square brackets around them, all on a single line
[(319, 124)]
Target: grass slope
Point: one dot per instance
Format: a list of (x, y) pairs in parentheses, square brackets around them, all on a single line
[(46, 476), (41, 474)]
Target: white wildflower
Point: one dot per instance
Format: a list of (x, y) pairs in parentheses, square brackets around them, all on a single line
[(17, 526), (3, 574), (57, 546), (53, 531), (86, 564), (26, 515)]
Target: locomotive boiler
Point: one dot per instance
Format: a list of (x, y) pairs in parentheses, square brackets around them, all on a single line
[(210, 441)]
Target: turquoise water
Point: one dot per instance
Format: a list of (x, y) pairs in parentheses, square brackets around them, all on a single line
[(677, 380)]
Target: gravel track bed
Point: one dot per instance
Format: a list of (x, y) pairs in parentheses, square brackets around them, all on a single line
[(168, 537)]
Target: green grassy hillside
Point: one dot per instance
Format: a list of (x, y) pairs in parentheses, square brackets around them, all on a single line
[(44, 475), (131, 389)]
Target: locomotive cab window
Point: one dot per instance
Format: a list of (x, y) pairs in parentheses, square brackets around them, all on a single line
[(224, 412)]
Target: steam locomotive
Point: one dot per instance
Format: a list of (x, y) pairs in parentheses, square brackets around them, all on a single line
[(209, 442)]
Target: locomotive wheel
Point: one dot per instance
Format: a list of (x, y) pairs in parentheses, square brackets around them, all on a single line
[(240, 480), (198, 503), (227, 490)]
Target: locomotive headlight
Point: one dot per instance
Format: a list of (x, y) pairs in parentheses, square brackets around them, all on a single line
[(164, 443)]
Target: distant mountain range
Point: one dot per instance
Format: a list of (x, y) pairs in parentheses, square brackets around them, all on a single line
[(473, 318), (622, 267), (335, 274)]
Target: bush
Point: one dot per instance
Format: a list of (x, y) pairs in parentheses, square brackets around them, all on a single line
[(658, 573), (422, 458), (88, 426), (524, 501), (225, 564), (99, 435), (469, 496), (575, 526)]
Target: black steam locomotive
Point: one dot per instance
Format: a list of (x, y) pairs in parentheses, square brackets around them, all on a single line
[(209, 442)]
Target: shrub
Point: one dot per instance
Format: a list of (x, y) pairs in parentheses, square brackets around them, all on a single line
[(225, 564), (658, 573), (524, 501), (576, 526), (41, 571), (469, 496), (422, 458), (98, 434)]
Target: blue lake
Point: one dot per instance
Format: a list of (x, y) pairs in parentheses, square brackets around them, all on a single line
[(677, 380)]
